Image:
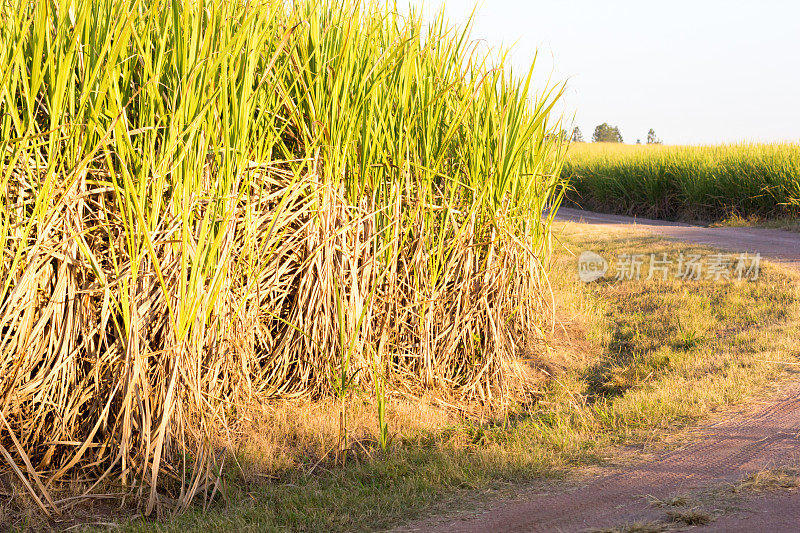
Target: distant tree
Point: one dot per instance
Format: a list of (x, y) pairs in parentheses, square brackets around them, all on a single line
[(606, 134), (638, 141), (560, 136), (577, 136), (651, 137)]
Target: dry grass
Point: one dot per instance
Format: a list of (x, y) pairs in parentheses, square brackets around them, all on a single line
[(735, 221), (771, 479), (302, 434), (611, 375), (691, 517), (637, 527)]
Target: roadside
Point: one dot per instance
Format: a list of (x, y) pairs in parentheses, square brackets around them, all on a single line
[(786, 224), (629, 363), (755, 439)]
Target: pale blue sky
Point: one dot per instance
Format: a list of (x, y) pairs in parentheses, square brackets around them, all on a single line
[(702, 71)]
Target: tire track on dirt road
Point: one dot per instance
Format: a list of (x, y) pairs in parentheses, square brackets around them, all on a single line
[(723, 452)]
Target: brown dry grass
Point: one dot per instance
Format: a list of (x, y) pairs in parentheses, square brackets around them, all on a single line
[(302, 434)]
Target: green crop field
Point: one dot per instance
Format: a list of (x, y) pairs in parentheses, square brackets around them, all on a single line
[(703, 183)]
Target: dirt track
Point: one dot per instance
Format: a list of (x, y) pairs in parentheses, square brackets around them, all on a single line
[(753, 439), (777, 245), (756, 439)]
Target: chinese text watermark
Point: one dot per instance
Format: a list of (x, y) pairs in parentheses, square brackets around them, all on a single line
[(664, 266)]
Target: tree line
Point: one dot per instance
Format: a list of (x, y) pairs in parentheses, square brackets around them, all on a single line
[(605, 133)]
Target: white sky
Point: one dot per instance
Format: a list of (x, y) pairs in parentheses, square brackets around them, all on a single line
[(698, 72)]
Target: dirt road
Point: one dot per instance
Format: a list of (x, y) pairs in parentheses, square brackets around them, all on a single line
[(777, 245), (755, 438), (721, 454)]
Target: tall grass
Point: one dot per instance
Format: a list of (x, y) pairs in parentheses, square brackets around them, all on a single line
[(705, 183), (206, 204)]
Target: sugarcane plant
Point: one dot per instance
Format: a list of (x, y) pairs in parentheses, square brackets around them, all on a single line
[(206, 205)]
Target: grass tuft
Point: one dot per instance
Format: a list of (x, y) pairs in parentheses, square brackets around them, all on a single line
[(691, 517), (772, 479)]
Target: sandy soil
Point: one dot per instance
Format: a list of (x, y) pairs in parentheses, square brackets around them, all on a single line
[(754, 438)]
